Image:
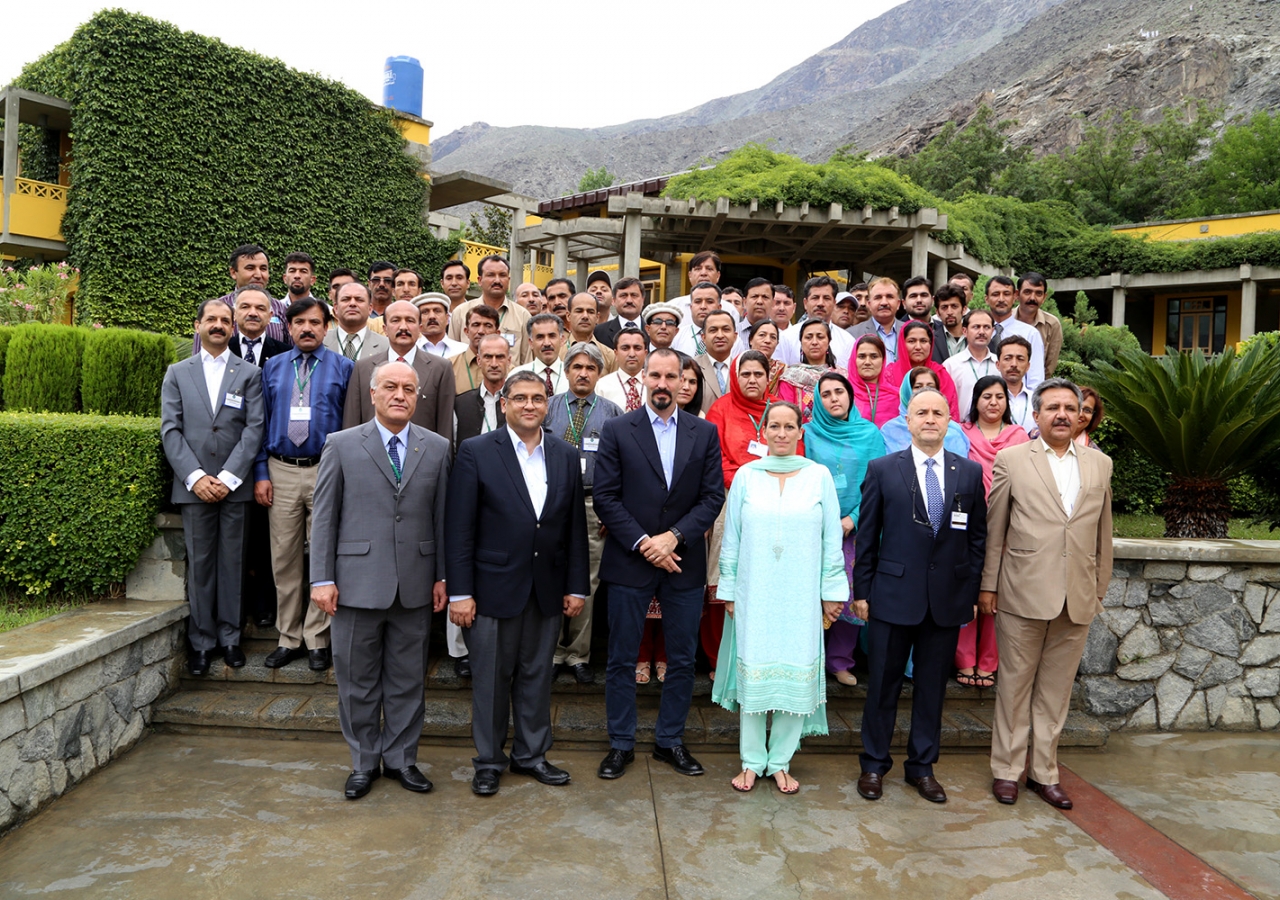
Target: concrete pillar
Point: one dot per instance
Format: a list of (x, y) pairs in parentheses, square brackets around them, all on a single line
[(582, 268), (1117, 306), (10, 155), (560, 265), (940, 272), (516, 253), (920, 252), (1248, 303), (629, 262)]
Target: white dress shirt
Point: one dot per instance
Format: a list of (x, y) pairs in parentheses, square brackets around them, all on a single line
[(539, 368), (533, 465), (214, 368), (490, 409), (1066, 473), (965, 371), (393, 356), (447, 348), (343, 336), (919, 457), (613, 387), (1035, 366), (1020, 410)]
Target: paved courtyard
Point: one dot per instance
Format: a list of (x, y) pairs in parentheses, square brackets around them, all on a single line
[(187, 816)]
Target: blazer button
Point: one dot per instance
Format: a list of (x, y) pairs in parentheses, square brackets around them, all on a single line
[(932, 566), (538, 525), (215, 427), (398, 518), (535, 553)]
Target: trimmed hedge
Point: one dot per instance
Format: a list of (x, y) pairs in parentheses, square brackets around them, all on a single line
[(123, 370), (6, 335), (42, 368), (78, 498)]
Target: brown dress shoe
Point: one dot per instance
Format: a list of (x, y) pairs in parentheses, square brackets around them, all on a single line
[(1053, 794), (1006, 791), (870, 785), (929, 788)]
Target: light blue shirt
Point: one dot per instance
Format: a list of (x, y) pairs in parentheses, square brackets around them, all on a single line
[(890, 339), (664, 433), (386, 440)]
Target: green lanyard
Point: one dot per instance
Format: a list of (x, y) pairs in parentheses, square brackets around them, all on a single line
[(577, 436), (875, 399), (302, 382), (394, 467), (758, 425), (470, 379), (986, 367)]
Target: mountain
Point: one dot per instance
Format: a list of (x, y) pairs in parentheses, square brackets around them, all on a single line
[(889, 85)]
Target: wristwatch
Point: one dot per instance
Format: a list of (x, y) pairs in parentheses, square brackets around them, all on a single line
[(678, 535)]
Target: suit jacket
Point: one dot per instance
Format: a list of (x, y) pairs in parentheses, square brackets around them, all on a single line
[(196, 437), (640, 503), (375, 344), (940, 345), (468, 407), (372, 537), (607, 333), (499, 552), (710, 383), (900, 566), (267, 349), (1037, 557), (434, 411)]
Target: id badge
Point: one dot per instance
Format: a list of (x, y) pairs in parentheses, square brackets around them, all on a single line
[(511, 339), (582, 464), (841, 481), (591, 445), (299, 413), (960, 521), (235, 401), (755, 448)]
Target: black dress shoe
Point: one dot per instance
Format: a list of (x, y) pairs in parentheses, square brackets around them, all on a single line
[(929, 788), (582, 673), (319, 660), (410, 778), (198, 662), (485, 782), (359, 783), (264, 621), (234, 656), (615, 763), (871, 785), (543, 772), (679, 759), (462, 666), (282, 656)]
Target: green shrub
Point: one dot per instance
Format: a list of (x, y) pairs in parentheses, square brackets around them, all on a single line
[(1137, 484), (78, 498), (1251, 498), (42, 368), (6, 334), (123, 370)]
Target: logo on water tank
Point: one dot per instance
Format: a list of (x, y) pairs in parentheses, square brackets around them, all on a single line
[(388, 76)]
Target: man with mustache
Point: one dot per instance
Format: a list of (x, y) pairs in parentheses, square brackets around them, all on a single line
[(249, 265), (382, 279), (211, 422), (1047, 567), (547, 337), (1032, 288), (583, 320), (433, 319), (303, 393), (882, 300), (252, 306), (577, 417), (354, 337), (658, 487), (433, 407)]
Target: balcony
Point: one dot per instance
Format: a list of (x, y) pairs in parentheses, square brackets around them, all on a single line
[(31, 211)]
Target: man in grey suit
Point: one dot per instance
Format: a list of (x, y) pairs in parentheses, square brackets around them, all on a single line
[(211, 422), (377, 567), (719, 333), (355, 338)]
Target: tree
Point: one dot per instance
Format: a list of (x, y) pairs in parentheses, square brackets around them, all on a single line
[(595, 180), (495, 230), (958, 161), (1204, 421), (1242, 173)]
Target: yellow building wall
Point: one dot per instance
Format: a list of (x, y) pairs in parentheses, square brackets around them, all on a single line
[(414, 131), (1198, 229)]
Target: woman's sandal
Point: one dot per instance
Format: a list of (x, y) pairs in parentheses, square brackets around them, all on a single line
[(642, 673), (968, 679), (662, 671), (984, 681), (787, 779), (740, 785)]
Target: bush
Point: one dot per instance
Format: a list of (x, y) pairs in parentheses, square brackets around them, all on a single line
[(78, 498), (1137, 484), (42, 368), (123, 370), (6, 334)]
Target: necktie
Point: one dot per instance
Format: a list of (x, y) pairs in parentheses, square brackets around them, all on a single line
[(933, 493), (574, 431), (630, 326), (551, 387), (300, 397), (399, 359), (249, 356), (697, 341), (719, 367), (352, 349), (393, 453), (633, 394), (996, 331)]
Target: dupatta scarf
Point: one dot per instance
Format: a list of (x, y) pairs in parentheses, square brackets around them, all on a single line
[(898, 371), (876, 401)]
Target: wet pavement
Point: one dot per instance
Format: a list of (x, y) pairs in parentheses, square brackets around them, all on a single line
[(194, 816)]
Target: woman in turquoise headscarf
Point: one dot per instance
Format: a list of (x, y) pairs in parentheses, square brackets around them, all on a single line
[(779, 558), (839, 438), (896, 436)]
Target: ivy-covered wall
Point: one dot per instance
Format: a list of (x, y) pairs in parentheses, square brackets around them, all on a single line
[(184, 148)]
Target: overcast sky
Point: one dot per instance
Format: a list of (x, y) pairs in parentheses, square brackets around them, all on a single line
[(557, 62)]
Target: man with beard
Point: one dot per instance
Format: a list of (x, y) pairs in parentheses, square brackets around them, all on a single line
[(948, 330)]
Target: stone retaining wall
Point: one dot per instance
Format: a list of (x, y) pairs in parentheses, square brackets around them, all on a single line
[(1189, 637), (77, 690)]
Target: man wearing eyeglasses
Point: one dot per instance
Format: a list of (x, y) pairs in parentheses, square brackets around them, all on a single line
[(661, 322), (382, 279)]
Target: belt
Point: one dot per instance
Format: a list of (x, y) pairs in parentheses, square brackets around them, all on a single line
[(301, 462)]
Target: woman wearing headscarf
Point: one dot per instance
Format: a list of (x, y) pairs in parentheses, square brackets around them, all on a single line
[(764, 336), (875, 399), (840, 439), (800, 380), (782, 576), (915, 349), (990, 429), (896, 435)]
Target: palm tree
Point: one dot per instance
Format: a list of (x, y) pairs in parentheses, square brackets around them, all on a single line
[(1202, 420)]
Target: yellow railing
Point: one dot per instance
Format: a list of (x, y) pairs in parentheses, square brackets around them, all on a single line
[(473, 252), (36, 209)]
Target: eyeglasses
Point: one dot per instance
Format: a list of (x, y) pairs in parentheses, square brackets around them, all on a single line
[(670, 323), (380, 280)]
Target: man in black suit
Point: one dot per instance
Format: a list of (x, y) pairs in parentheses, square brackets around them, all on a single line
[(516, 559), (628, 302), (659, 486), (477, 410), (252, 305), (922, 535)]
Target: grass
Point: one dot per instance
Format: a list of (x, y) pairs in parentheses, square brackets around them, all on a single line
[(1134, 525), (18, 609)]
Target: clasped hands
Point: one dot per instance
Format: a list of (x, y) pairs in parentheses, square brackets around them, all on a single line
[(209, 489), (660, 551)]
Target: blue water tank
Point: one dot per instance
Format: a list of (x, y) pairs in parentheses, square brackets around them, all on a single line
[(402, 85)]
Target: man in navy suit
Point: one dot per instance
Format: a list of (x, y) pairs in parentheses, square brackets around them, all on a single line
[(516, 560), (659, 486), (922, 535)]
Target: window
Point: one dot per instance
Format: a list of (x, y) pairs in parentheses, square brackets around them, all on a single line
[(1197, 323)]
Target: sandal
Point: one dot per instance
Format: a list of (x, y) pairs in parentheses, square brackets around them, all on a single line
[(787, 779), (984, 681), (737, 783), (968, 679), (642, 673), (662, 671)]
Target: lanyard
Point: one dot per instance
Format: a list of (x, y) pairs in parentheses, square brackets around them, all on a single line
[(470, 378), (302, 382), (875, 399), (986, 367), (758, 425), (697, 338), (394, 467), (577, 436)]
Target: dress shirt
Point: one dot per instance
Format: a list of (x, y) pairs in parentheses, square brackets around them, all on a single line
[(214, 368), (447, 347), (955, 344), (1066, 473), (490, 401), (343, 336), (665, 436), (890, 339), (624, 324), (1035, 367), (965, 372), (919, 457), (276, 327), (255, 345), (687, 339), (539, 368), (1020, 410), (393, 356), (599, 410), (533, 466), (329, 377), (614, 387)]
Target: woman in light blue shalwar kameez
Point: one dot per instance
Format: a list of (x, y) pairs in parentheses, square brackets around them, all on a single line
[(781, 572)]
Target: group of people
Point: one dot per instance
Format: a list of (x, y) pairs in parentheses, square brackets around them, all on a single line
[(791, 497)]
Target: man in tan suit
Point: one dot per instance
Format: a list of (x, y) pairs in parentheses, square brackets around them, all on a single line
[(1047, 567)]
